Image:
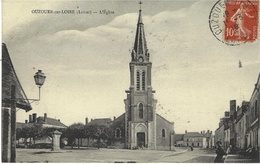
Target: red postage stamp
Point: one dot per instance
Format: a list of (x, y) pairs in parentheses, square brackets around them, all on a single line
[(241, 21)]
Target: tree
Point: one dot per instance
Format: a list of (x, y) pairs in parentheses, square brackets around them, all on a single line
[(35, 131), (18, 134), (100, 133), (75, 131)]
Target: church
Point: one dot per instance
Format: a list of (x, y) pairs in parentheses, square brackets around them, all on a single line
[(140, 126)]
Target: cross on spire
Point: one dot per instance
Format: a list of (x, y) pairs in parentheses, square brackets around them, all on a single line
[(140, 4)]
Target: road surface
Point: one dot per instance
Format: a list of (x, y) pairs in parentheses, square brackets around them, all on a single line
[(181, 155)]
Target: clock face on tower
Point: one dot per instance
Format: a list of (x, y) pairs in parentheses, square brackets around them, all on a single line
[(140, 59)]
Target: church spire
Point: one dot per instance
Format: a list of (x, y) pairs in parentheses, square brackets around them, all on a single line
[(140, 46)]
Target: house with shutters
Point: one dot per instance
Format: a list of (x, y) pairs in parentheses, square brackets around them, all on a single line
[(194, 139)]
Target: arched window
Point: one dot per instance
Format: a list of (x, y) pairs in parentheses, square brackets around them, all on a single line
[(141, 110), (118, 133), (138, 81), (163, 133), (143, 80)]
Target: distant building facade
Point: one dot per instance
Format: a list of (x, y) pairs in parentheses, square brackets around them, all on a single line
[(41, 122), (241, 123), (253, 133), (194, 139)]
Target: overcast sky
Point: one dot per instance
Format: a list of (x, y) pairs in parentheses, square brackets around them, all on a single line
[(86, 60)]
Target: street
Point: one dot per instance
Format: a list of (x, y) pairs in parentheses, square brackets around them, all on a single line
[(181, 155)]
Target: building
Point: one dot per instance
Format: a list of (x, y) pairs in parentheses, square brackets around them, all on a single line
[(241, 125), (178, 140), (253, 117), (194, 139), (143, 126), (209, 139), (40, 122), (226, 132), (219, 133), (99, 121), (13, 96), (47, 122), (91, 142)]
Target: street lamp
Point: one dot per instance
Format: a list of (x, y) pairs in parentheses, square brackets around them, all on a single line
[(39, 79)]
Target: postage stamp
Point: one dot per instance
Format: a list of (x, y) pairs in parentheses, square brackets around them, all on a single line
[(235, 21)]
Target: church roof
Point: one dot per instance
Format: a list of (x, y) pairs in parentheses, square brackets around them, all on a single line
[(121, 117), (9, 78), (164, 119)]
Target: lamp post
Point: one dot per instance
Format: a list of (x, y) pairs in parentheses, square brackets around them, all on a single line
[(9, 150), (39, 79)]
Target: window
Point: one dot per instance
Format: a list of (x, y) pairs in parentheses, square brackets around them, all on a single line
[(143, 80), (141, 110), (118, 133), (138, 81), (163, 133)]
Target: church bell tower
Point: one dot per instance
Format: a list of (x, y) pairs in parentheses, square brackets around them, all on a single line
[(140, 105)]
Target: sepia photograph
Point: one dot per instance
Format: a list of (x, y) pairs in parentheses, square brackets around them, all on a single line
[(130, 81)]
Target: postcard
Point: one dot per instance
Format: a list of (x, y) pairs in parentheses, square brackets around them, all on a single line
[(130, 81)]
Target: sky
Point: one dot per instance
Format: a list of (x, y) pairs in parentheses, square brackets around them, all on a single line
[(86, 59)]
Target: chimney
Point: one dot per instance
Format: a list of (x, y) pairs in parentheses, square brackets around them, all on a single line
[(208, 131), (34, 117), (86, 120), (26, 121), (226, 114), (203, 131), (114, 117), (200, 132), (59, 120), (185, 131), (91, 120), (30, 118), (45, 117), (232, 109)]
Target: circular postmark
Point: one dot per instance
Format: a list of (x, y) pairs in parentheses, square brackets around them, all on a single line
[(234, 21)]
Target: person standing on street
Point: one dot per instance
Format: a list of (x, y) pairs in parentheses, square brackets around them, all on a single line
[(220, 153), (229, 149)]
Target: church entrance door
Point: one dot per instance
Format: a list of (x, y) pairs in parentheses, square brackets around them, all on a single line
[(141, 139)]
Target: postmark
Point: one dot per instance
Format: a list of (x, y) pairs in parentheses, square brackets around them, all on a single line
[(234, 21)]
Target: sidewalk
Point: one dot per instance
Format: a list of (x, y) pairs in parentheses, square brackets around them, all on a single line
[(233, 158)]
